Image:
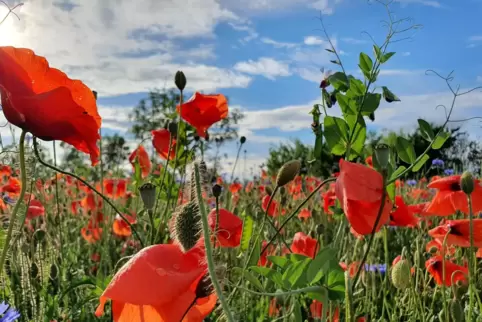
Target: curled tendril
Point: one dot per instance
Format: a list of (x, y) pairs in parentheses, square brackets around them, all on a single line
[(10, 10)]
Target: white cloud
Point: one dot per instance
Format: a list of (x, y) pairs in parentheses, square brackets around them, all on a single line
[(428, 3), (256, 6), (406, 53), (265, 66), (120, 47), (313, 40), (278, 44)]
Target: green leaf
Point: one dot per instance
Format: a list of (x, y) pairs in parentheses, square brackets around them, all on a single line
[(386, 57), (296, 315), (397, 172), (320, 295), (440, 140), (405, 150), (269, 273), (371, 103), (330, 50), (339, 81), (365, 64), (391, 191), (295, 272), (335, 61), (321, 265), (280, 261), (336, 134), (357, 88), (344, 102), (426, 130), (377, 52), (336, 284), (247, 232), (389, 96), (253, 261), (358, 141), (419, 164)]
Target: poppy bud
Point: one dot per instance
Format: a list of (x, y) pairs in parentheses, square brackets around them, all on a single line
[(268, 190), (401, 274), (197, 138), (320, 229), (382, 154), (180, 80), (242, 140), (95, 94), (433, 250), (187, 226), (467, 182), (456, 310), (217, 189), (288, 172), (148, 195), (172, 127)]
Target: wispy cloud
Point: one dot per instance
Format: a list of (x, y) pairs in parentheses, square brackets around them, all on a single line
[(265, 66), (354, 41), (278, 44), (313, 40), (429, 3)]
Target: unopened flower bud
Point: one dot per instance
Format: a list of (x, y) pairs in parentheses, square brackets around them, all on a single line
[(187, 226), (242, 140), (288, 172), (95, 94), (320, 229), (456, 310), (467, 182), (180, 80), (382, 154), (217, 189), (401, 274), (204, 288), (172, 127), (148, 195)]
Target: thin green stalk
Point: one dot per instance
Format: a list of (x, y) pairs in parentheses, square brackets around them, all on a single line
[(23, 188), (471, 259), (236, 161), (37, 154), (444, 296), (207, 245)]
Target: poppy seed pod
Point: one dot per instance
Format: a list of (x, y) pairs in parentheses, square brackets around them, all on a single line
[(467, 183), (148, 195), (187, 226), (382, 154), (180, 80), (288, 172), (217, 189), (242, 140), (401, 274), (456, 310), (172, 127)]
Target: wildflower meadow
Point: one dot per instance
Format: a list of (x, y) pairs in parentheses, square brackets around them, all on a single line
[(358, 226)]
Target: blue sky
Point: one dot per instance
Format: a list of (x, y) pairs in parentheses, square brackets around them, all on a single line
[(265, 55)]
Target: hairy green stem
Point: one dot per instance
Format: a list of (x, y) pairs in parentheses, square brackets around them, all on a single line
[(91, 187), (23, 188), (207, 245), (471, 265)]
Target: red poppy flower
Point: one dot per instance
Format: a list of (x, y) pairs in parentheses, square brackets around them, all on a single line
[(235, 187), (46, 103), (434, 247), (115, 188), (91, 234), (369, 161), (202, 111), (450, 197), (402, 216), (329, 199), (5, 170), (273, 207), (177, 276), (435, 268), (359, 190), (419, 209), (263, 258), (13, 186), (316, 309), (458, 232), (160, 141), (304, 245), (305, 213), (121, 228), (140, 156), (230, 227), (35, 209)]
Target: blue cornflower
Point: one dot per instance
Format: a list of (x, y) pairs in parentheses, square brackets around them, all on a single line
[(412, 182), (438, 163), (449, 172), (381, 268), (6, 198), (8, 314)]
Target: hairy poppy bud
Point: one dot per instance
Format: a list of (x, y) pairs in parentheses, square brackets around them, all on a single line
[(401, 274), (205, 287), (242, 140), (180, 80), (197, 138), (217, 189), (320, 229), (456, 310), (187, 226), (467, 182), (148, 195), (288, 172), (172, 127), (382, 155)]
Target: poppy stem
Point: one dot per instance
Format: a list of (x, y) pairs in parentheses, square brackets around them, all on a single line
[(236, 161), (472, 267), (23, 188), (207, 245), (372, 235), (295, 212), (37, 154)]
